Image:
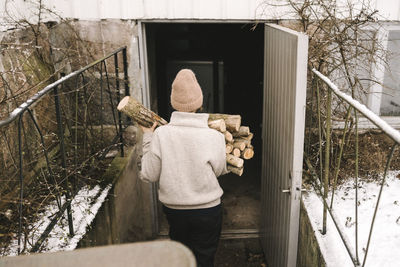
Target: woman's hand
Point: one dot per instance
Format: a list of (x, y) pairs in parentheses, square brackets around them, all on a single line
[(149, 130)]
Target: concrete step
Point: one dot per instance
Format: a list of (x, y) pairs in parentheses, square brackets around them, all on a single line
[(237, 247), (226, 234)]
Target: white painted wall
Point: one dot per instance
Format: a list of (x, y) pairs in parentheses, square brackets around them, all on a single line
[(170, 9)]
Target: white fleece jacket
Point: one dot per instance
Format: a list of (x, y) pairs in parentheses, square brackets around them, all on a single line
[(186, 157)]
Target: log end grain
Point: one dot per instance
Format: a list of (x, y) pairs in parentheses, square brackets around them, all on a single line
[(123, 103), (228, 137), (248, 153), (236, 152), (235, 170), (234, 161)]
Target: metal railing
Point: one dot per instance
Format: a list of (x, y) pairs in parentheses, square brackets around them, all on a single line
[(59, 151), (321, 179)]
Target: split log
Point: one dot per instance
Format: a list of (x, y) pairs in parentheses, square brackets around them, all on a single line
[(139, 113), (236, 152), (227, 124), (240, 144), (234, 161), (229, 148), (232, 121), (248, 137), (247, 143), (243, 131), (228, 137), (248, 153), (218, 125), (235, 170)]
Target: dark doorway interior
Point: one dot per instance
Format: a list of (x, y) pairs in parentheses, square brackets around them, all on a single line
[(228, 61)]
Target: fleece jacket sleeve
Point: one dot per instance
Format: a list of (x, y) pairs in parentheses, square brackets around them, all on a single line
[(151, 161), (219, 163)]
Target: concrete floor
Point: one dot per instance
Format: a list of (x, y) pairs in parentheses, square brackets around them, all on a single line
[(240, 253), (241, 201)]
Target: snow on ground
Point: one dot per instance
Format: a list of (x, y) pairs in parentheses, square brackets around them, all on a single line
[(385, 241), (84, 208)]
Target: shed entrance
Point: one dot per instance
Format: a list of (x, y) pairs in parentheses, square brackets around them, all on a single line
[(228, 59)]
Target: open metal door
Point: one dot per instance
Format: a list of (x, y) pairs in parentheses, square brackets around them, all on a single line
[(285, 79)]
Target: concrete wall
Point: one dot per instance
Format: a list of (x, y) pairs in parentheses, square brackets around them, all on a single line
[(143, 254), (125, 216), (93, 40), (33, 57), (309, 253)]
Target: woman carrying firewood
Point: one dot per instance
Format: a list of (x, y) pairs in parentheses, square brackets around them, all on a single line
[(186, 157)]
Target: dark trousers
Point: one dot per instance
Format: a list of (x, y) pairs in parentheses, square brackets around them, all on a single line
[(198, 229)]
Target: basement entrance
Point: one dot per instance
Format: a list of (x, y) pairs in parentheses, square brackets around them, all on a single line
[(228, 62), (257, 72)]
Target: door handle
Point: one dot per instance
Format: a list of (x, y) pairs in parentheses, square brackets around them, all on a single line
[(289, 190)]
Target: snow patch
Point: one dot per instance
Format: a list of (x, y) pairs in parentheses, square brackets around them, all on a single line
[(84, 207), (385, 239)]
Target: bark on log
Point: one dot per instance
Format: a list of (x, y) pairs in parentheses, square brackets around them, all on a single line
[(228, 137), (145, 117), (139, 113), (243, 131), (248, 153), (247, 143), (240, 144), (234, 161), (232, 121), (229, 148), (235, 170), (248, 137), (236, 152), (218, 125)]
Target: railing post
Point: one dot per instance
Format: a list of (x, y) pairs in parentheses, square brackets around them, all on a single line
[(63, 158), (327, 154), (101, 103), (125, 61), (378, 200), (21, 181), (121, 139), (126, 82)]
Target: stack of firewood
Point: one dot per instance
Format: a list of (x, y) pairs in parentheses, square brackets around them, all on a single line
[(237, 137)]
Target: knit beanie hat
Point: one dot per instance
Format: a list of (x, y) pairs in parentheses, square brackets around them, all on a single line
[(186, 94)]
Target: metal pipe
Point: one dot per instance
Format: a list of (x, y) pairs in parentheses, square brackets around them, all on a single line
[(118, 99), (101, 103), (110, 96), (21, 182), (317, 186), (377, 202), (356, 183), (125, 61), (339, 158), (327, 156), (63, 158), (375, 119), (58, 200)]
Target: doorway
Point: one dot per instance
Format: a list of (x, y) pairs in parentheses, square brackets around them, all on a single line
[(227, 59)]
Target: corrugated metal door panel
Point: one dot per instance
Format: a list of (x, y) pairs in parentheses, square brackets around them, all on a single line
[(285, 73)]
